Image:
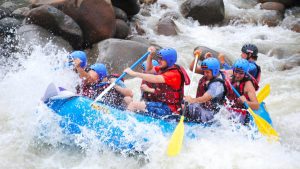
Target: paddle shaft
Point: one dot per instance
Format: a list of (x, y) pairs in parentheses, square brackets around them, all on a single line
[(120, 77)]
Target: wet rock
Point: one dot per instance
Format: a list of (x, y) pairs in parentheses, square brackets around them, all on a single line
[(30, 36), (213, 52), (120, 14), (271, 18), (20, 13), (57, 22), (95, 18), (9, 25), (139, 29), (131, 7), (167, 27), (145, 12), (206, 12), (4, 12), (287, 3), (147, 2), (10, 6), (292, 19), (293, 61), (296, 26), (273, 6), (112, 51), (122, 29), (245, 4), (139, 39), (172, 14)]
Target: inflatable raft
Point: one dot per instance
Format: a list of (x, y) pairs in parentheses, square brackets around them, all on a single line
[(119, 130)]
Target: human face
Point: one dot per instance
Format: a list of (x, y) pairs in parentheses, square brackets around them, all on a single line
[(162, 63), (244, 55), (238, 74), (94, 76), (208, 74)]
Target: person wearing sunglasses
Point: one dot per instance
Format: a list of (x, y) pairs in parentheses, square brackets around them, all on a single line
[(169, 79), (210, 95), (246, 87)]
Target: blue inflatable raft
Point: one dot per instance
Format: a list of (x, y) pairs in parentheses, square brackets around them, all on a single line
[(117, 129)]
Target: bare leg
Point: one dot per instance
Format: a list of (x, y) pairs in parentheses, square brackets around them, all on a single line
[(134, 106), (128, 100)]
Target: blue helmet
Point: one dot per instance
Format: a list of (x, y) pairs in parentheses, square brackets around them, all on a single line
[(212, 64), (242, 65), (79, 55), (154, 63), (100, 69), (169, 55), (250, 48)]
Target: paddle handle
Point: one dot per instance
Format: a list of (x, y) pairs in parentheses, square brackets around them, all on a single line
[(120, 77), (193, 73)]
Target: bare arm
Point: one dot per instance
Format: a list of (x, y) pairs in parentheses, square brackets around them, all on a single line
[(198, 68), (250, 90), (124, 91), (206, 97), (82, 73), (147, 77)]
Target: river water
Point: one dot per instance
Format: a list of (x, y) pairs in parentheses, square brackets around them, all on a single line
[(27, 78)]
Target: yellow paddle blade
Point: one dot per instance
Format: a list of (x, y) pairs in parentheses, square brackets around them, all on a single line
[(263, 93), (264, 127), (175, 144)]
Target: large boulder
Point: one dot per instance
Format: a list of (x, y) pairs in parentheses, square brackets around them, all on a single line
[(57, 22), (166, 26), (206, 12), (131, 7), (96, 18), (30, 36), (117, 54)]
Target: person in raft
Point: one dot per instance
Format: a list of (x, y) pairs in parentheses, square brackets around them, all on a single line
[(169, 79), (211, 91), (249, 52), (95, 79), (246, 87)]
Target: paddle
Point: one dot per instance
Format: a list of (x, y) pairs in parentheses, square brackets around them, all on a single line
[(263, 93), (175, 143), (119, 78), (263, 126)]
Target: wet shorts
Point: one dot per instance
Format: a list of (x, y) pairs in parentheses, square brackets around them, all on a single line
[(157, 109)]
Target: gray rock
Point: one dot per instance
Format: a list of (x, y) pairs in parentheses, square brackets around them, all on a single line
[(9, 25), (122, 29), (206, 12), (117, 54), (120, 14), (30, 36), (167, 27), (57, 22)]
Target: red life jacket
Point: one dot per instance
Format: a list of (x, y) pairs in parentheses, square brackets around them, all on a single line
[(235, 104), (166, 94), (146, 96), (112, 97), (213, 104)]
